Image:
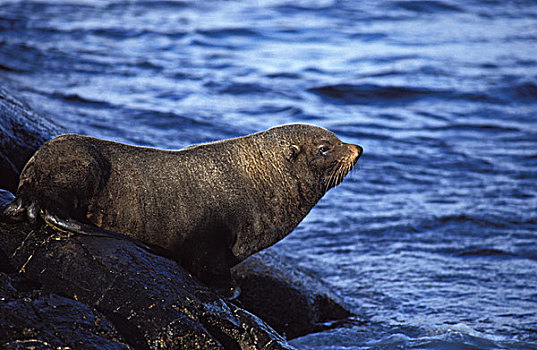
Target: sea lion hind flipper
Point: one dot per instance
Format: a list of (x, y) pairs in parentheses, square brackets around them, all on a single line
[(14, 211), (76, 227), (19, 210)]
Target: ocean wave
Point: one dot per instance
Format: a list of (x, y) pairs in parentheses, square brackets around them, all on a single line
[(375, 94), (369, 93), (427, 6), (227, 32), (78, 99)]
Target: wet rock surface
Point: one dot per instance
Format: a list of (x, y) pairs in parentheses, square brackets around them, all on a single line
[(271, 283), (33, 318), (22, 132), (63, 289), (151, 301)]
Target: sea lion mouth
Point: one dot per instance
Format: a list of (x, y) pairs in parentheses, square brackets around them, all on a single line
[(337, 172)]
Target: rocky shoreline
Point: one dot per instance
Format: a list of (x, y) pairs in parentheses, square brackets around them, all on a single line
[(70, 291)]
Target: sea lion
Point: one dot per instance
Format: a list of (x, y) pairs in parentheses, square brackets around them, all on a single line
[(209, 205)]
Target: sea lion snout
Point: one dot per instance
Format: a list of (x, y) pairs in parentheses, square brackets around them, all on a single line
[(356, 150), (353, 153)]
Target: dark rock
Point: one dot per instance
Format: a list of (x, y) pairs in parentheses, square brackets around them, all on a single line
[(151, 301), (5, 198), (271, 283), (33, 319), (22, 132)]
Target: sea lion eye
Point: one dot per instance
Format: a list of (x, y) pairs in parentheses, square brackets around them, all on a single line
[(324, 149)]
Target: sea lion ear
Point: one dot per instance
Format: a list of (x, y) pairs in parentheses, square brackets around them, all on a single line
[(292, 152)]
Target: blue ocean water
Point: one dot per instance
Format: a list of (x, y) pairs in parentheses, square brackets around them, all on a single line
[(433, 241)]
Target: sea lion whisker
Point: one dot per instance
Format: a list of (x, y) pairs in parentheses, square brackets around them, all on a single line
[(350, 170), (337, 174), (342, 174), (344, 171), (333, 171)]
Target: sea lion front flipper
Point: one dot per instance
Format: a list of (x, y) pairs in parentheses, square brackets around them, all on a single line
[(225, 284), (209, 260)]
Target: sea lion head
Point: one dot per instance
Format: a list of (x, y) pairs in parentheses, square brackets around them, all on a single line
[(319, 154)]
